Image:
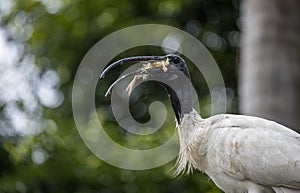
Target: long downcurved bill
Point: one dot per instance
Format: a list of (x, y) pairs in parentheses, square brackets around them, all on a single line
[(155, 64), (131, 59), (137, 75)]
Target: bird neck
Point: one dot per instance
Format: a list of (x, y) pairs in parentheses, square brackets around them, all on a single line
[(181, 99), (192, 140)]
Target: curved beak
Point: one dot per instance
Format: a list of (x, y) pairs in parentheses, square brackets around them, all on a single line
[(130, 59), (135, 74), (153, 67)]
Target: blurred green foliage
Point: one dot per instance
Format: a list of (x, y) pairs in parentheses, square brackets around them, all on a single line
[(60, 34)]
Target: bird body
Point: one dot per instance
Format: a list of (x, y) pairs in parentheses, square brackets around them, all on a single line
[(241, 153)]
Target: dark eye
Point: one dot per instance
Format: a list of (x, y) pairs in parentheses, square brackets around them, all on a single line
[(176, 60)]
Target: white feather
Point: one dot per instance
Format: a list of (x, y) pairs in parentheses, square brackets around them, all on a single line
[(241, 153)]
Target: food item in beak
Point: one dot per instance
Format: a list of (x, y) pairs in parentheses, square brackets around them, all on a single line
[(163, 64), (132, 83)]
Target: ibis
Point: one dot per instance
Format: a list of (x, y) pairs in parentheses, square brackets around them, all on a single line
[(241, 154)]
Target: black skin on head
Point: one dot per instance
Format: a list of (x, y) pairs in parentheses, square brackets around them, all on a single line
[(179, 63)]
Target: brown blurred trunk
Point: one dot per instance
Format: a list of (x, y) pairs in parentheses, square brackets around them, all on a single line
[(269, 83)]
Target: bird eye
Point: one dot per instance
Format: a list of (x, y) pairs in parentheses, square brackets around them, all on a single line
[(175, 60)]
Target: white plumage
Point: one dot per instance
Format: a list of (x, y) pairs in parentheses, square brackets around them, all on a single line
[(241, 153)]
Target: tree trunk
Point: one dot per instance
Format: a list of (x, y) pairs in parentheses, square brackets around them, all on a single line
[(269, 82)]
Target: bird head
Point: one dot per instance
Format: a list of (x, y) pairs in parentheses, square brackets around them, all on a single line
[(170, 70)]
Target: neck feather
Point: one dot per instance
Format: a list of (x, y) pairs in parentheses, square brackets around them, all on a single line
[(192, 135)]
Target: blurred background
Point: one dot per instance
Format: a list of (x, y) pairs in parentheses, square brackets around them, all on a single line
[(42, 43)]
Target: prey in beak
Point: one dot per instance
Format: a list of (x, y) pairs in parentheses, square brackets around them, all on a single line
[(152, 64)]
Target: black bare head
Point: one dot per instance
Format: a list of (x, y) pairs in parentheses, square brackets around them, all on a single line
[(179, 63), (173, 74)]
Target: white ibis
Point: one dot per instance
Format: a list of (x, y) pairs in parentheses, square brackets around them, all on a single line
[(239, 153)]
